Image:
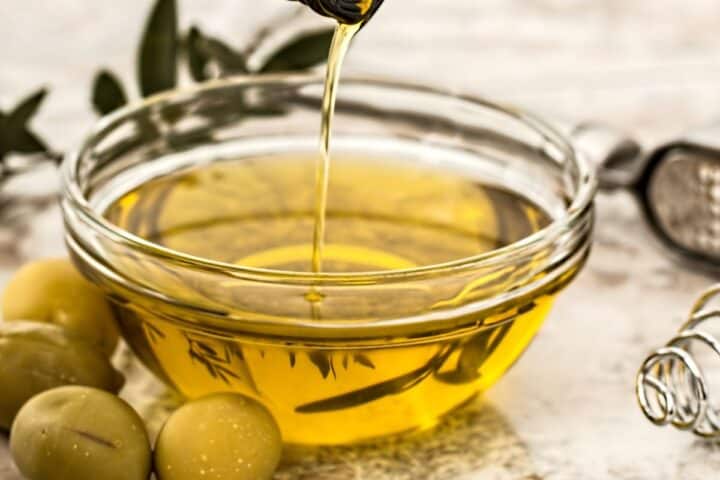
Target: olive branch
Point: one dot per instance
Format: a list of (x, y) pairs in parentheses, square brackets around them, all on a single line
[(162, 51), (218, 363)]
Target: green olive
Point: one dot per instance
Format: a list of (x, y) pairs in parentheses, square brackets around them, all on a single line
[(54, 291), (223, 436), (35, 357), (80, 433)]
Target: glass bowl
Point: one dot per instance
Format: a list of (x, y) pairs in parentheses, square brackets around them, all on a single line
[(395, 350)]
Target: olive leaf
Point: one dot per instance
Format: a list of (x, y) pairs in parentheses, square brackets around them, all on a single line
[(27, 108), (158, 59), (323, 363), (197, 57), (108, 94), (475, 352), (358, 358), (216, 363), (380, 390), (158, 56), (25, 141), (203, 50), (16, 136), (301, 53), (363, 360), (153, 333), (473, 355)]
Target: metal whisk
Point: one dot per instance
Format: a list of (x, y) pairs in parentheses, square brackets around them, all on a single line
[(671, 387)]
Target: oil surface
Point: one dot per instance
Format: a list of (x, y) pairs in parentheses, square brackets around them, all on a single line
[(383, 214)]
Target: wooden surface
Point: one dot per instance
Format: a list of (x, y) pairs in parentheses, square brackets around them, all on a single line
[(567, 410)]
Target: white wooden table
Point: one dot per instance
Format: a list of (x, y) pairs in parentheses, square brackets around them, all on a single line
[(567, 410)]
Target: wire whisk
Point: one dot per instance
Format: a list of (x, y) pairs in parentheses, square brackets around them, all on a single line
[(671, 388)]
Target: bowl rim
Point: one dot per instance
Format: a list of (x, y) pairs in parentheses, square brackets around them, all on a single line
[(573, 216)]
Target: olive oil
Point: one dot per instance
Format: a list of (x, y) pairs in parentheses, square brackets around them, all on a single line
[(287, 214), (383, 214), (344, 35)]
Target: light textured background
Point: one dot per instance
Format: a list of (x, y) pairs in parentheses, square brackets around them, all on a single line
[(651, 67)]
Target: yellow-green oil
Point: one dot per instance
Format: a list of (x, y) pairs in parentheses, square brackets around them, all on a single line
[(383, 214)]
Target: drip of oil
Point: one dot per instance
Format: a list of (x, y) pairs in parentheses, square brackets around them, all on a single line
[(344, 35)]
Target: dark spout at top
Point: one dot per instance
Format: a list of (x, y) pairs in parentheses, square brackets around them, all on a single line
[(345, 11)]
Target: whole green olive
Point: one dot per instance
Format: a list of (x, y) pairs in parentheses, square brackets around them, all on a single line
[(35, 357), (223, 436), (54, 291), (80, 433)]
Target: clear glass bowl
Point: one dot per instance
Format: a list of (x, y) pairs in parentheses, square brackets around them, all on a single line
[(395, 350)]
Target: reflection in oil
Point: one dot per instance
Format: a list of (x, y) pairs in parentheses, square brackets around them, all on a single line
[(477, 439)]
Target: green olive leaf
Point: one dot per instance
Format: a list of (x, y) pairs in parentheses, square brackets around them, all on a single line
[(159, 49), (25, 141), (380, 390), (473, 355), (363, 360), (153, 333), (108, 94), (4, 147), (301, 53), (475, 352), (26, 109), (197, 58), (15, 134), (203, 49), (217, 364), (322, 362)]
